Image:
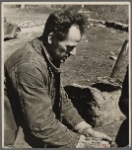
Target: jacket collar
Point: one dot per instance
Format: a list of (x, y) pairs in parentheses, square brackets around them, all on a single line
[(55, 68)]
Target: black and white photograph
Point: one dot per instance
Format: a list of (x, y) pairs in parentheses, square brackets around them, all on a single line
[(66, 74)]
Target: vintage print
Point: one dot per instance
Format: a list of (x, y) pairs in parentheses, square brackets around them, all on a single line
[(65, 76)]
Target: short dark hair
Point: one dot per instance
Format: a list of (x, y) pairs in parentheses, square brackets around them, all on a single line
[(60, 22)]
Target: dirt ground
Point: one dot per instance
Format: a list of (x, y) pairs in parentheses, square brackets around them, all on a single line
[(91, 61)]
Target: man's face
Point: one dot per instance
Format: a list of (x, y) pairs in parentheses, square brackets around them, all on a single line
[(67, 47)]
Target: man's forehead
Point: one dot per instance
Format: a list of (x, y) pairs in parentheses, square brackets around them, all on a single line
[(74, 33)]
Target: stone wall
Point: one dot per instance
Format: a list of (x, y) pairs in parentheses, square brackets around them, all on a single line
[(116, 25)]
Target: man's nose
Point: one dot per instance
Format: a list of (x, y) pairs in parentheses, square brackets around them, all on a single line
[(73, 52)]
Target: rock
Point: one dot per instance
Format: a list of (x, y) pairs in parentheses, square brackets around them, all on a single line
[(87, 80), (113, 57), (97, 104), (101, 25), (113, 31), (102, 78), (112, 53)]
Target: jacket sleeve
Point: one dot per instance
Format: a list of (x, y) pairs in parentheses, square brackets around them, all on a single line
[(37, 108), (69, 112)]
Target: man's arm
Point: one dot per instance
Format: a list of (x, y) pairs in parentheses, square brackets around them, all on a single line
[(71, 115), (69, 112), (37, 108)]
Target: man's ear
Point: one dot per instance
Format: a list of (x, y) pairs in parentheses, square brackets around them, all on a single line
[(50, 38)]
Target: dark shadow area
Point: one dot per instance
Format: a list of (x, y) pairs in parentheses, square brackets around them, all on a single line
[(122, 138)]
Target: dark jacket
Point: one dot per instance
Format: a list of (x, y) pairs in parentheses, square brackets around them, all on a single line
[(124, 98), (122, 137), (32, 85)]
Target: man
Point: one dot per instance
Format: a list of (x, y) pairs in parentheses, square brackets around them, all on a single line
[(122, 138), (124, 98), (32, 85)]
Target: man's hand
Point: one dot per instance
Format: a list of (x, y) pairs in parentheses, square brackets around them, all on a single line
[(90, 142), (87, 130), (90, 132)]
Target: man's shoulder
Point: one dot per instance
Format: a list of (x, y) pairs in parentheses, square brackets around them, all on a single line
[(30, 52)]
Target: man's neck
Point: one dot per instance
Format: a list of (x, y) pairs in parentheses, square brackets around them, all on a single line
[(55, 64), (50, 57)]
